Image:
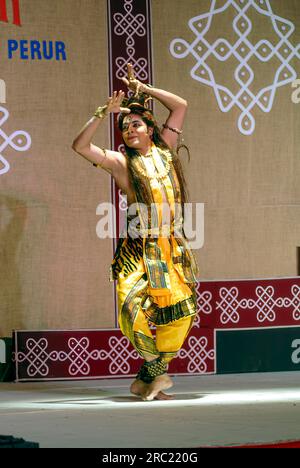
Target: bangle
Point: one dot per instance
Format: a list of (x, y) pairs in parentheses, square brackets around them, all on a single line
[(175, 130), (101, 112), (104, 157)]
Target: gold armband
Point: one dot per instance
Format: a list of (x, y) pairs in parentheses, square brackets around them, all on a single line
[(175, 130), (104, 157)]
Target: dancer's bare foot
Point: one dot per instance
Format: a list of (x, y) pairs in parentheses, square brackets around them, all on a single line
[(163, 396), (162, 382), (140, 388)]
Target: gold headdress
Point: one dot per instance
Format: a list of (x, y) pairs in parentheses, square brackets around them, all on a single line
[(137, 103), (138, 99)]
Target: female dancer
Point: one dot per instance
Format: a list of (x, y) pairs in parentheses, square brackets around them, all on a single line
[(154, 268)]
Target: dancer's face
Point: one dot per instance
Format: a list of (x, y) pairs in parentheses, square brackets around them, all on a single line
[(135, 132)]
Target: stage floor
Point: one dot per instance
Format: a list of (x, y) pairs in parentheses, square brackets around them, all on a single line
[(208, 410)]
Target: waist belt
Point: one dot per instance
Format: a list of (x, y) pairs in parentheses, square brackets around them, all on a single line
[(163, 231)]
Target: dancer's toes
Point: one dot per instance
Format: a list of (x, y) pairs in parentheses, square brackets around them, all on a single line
[(163, 396), (162, 382)]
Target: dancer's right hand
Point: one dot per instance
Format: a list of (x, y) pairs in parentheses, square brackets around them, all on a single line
[(114, 103)]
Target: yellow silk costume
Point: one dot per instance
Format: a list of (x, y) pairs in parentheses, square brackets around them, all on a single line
[(156, 272)]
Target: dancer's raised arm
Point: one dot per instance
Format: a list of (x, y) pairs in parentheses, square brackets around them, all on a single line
[(82, 144), (175, 104)]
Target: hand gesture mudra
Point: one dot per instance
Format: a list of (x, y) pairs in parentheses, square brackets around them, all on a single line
[(131, 82), (114, 103)]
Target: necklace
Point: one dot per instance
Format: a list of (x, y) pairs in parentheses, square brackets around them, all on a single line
[(158, 175)]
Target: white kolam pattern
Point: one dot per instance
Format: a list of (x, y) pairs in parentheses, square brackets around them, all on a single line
[(40, 358), (197, 353), (127, 24), (243, 50), (265, 304), (19, 140)]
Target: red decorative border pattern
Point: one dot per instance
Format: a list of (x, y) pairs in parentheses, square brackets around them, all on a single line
[(91, 354)]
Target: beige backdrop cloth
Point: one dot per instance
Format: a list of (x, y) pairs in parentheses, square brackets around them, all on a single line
[(54, 270)]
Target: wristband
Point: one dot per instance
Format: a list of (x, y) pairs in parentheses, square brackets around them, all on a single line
[(101, 112)]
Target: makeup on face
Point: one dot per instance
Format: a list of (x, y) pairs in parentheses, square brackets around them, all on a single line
[(135, 132), (134, 122)]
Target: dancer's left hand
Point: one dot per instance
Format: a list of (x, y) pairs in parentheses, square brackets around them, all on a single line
[(132, 83)]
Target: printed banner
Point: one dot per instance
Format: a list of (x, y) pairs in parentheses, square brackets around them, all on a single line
[(129, 28), (249, 303), (93, 354)]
